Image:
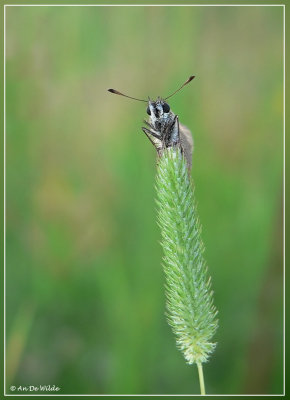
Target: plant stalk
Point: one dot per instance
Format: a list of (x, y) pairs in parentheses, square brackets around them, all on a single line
[(201, 379)]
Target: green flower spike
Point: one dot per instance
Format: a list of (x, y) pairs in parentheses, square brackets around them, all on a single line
[(190, 309)]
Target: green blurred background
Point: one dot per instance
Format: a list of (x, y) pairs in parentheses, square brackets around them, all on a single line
[(85, 287)]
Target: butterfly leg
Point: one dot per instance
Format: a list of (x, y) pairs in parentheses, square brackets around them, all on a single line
[(154, 138), (149, 137), (151, 132)]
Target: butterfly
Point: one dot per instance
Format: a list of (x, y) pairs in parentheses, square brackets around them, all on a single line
[(163, 128)]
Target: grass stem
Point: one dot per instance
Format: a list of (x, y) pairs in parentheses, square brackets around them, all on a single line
[(201, 379)]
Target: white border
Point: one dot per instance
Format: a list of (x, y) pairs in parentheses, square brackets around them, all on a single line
[(284, 173), (144, 5), (4, 200), (284, 143)]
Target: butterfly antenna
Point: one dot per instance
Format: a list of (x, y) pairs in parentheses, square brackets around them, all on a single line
[(185, 83), (121, 94)]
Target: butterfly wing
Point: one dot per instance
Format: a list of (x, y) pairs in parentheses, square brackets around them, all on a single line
[(186, 142)]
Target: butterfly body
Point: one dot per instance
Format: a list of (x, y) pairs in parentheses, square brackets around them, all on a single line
[(164, 130)]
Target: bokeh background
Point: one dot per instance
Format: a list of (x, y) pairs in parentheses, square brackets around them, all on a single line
[(85, 288)]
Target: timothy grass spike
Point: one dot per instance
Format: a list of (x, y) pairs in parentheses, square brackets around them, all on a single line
[(190, 308)]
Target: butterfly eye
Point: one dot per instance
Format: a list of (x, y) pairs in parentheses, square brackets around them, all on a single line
[(148, 111), (166, 108)]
